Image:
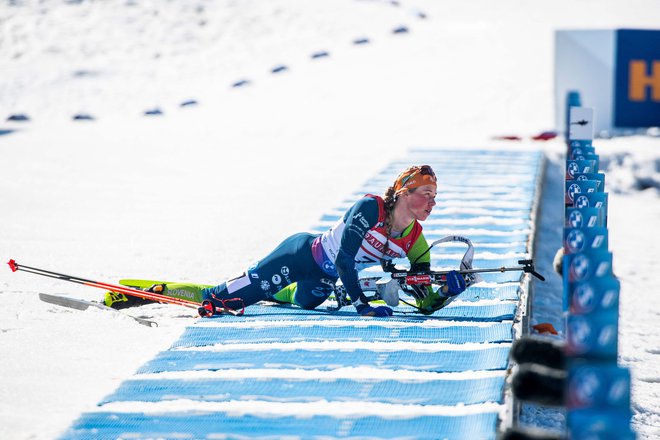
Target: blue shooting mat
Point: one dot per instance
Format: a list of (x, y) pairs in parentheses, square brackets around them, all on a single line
[(478, 236), (505, 292), (504, 198), (504, 311), (199, 425), (486, 196), (457, 201), (200, 336), (489, 226), (488, 357), (405, 392)]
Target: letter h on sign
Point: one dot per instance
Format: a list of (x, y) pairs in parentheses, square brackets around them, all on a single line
[(640, 81)]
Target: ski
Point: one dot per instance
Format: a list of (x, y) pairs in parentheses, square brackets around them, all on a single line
[(81, 304), (183, 290)]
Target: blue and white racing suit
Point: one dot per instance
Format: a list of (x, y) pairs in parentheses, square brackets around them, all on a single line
[(304, 268)]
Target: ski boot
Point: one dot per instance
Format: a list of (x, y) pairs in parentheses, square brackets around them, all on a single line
[(120, 301)]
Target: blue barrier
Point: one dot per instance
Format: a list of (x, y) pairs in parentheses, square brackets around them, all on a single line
[(596, 391)]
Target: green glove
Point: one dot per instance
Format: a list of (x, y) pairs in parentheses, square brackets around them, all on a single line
[(431, 302)]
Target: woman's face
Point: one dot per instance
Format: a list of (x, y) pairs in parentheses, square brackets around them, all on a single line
[(421, 201)]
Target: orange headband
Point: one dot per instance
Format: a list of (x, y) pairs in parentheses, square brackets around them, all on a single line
[(414, 177)]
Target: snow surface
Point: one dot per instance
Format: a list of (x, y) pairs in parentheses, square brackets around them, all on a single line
[(198, 192)]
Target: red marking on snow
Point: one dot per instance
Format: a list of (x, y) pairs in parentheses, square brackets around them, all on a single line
[(545, 136), (507, 138), (545, 327)]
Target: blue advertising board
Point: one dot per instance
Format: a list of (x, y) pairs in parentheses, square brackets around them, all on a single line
[(637, 78)]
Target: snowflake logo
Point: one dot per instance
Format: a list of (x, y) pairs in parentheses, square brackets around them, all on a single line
[(265, 286)]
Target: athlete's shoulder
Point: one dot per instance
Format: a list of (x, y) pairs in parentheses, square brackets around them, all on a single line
[(366, 210), (369, 203), (376, 203), (378, 198)]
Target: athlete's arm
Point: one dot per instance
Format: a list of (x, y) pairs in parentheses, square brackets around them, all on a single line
[(418, 255), (420, 260), (359, 219)]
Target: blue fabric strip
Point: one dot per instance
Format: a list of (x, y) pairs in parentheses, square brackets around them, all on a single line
[(492, 358), (204, 336), (480, 237), (330, 220), (503, 293), (508, 215), (216, 425), (484, 313), (428, 392)]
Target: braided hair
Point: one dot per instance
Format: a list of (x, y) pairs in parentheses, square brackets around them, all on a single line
[(389, 202)]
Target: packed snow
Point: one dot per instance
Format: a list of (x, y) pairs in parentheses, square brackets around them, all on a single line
[(171, 170)]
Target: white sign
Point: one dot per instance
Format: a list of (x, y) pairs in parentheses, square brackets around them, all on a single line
[(581, 124)]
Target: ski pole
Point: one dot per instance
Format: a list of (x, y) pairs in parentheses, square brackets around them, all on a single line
[(114, 288)]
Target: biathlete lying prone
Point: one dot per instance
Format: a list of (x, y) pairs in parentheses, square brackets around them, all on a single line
[(304, 268)]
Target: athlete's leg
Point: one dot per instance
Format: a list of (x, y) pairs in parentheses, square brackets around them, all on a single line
[(311, 293), (288, 263), (286, 295)]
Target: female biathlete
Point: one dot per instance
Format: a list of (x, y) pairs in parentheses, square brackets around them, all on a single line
[(304, 268)]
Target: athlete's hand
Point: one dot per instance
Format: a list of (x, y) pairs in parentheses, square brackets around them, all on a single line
[(378, 312), (455, 283)]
